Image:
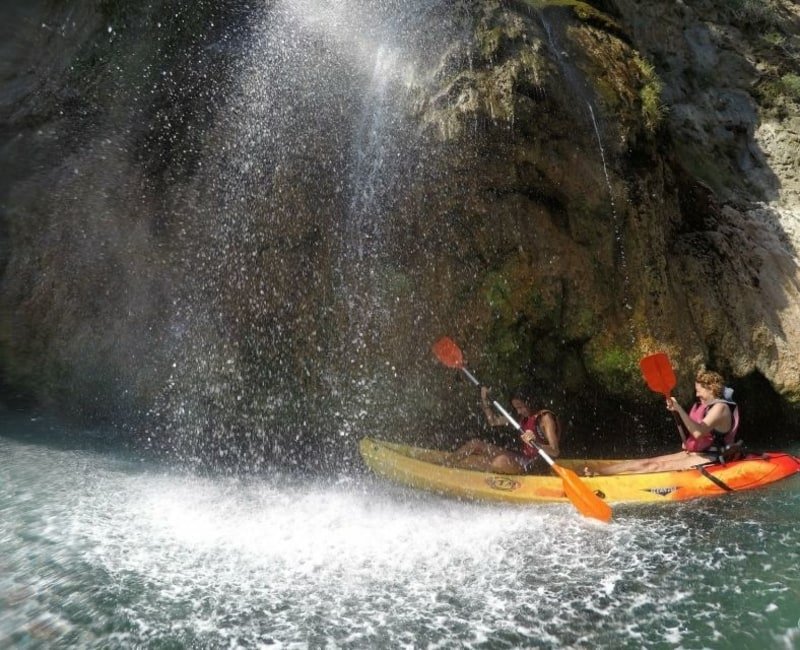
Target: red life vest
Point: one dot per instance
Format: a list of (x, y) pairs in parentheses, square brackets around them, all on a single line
[(713, 440), (531, 423)]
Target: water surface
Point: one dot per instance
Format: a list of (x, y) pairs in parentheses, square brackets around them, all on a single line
[(100, 549)]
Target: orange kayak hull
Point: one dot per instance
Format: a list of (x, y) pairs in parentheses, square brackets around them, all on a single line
[(426, 469)]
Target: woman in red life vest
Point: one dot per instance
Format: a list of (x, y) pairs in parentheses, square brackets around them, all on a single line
[(706, 430), (540, 427)]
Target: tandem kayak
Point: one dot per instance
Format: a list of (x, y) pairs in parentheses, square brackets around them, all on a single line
[(425, 469)]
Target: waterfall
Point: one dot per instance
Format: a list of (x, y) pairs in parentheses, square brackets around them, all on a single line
[(578, 85), (362, 257), (622, 258), (297, 207)]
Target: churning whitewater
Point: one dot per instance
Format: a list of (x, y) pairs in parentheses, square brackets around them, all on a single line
[(104, 549)]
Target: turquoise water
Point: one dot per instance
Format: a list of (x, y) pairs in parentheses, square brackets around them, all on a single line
[(101, 550)]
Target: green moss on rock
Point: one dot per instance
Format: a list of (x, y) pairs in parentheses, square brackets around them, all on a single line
[(790, 83), (583, 11), (653, 109), (614, 366)]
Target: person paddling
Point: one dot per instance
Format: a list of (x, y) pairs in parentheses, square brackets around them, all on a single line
[(541, 427), (707, 430)]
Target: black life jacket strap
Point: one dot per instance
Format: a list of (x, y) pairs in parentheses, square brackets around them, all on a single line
[(726, 453)]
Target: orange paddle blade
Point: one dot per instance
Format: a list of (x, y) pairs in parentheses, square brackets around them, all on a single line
[(446, 350), (582, 497), (658, 373)]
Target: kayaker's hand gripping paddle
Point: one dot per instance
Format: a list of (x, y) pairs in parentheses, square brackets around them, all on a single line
[(586, 501)]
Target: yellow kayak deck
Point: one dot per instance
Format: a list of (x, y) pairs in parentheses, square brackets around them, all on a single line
[(427, 469)]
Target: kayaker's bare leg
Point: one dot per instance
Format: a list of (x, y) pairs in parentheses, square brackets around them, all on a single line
[(507, 463), (476, 447), (669, 462), (483, 456)]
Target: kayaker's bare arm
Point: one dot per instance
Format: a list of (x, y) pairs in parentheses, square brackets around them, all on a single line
[(718, 417)]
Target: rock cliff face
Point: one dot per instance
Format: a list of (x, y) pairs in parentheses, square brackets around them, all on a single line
[(227, 224), (732, 90)]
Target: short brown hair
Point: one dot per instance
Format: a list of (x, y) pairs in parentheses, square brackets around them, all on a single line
[(711, 380)]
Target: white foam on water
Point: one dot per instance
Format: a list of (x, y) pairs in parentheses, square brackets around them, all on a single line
[(106, 549), (305, 549)]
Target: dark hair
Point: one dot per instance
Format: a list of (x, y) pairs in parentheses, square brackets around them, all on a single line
[(523, 394)]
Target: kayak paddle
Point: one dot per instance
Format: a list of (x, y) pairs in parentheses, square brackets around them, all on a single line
[(658, 373), (660, 377), (586, 501)]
